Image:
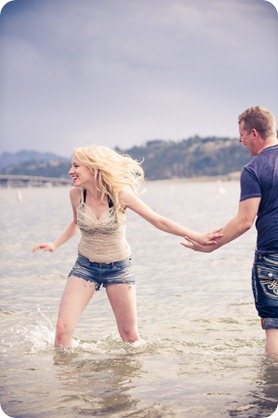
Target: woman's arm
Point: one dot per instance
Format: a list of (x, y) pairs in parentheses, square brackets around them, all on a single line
[(129, 200), (71, 230)]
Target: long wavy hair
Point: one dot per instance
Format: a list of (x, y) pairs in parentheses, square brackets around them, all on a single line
[(113, 171)]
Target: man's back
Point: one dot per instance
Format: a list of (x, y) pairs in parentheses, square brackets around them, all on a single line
[(260, 179)]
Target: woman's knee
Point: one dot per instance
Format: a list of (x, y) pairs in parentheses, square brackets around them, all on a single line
[(129, 335), (63, 327)]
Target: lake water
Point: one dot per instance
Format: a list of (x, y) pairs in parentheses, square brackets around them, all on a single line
[(202, 352)]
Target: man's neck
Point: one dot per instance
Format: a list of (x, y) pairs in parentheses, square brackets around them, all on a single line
[(269, 142)]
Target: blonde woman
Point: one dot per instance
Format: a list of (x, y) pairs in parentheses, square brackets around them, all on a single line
[(105, 186)]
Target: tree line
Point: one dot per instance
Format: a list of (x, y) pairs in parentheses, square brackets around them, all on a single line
[(193, 157)]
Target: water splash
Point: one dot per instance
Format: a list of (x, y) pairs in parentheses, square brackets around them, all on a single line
[(39, 337)]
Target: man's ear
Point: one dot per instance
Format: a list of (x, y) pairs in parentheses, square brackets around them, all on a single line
[(255, 133)]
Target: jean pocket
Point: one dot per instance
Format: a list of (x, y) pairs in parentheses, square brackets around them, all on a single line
[(122, 264), (82, 261), (270, 259), (268, 279)]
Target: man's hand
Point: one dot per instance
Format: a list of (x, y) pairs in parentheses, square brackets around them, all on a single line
[(210, 238), (196, 246)]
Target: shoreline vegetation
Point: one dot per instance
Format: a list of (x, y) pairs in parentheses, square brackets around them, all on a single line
[(193, 160)]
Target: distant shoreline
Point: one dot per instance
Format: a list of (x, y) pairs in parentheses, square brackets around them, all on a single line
[(13, 183), (235, 176)]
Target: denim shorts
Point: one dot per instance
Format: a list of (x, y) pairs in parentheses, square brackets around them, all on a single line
[(265, 288), (102, 274)]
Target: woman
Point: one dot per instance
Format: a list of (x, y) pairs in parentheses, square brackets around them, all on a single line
[(105, 186)]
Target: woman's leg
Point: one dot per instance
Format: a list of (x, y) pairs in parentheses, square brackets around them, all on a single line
[(77, 294), (122, 298)]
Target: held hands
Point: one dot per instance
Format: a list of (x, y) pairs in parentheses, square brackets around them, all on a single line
[(45, 246), (203, 242)]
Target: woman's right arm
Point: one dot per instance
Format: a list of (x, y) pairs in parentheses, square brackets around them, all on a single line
[(71, 230)]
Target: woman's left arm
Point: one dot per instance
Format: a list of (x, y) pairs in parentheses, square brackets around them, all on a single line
[(131, 201)]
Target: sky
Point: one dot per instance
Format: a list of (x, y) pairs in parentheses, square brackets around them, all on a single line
[(123, 72)]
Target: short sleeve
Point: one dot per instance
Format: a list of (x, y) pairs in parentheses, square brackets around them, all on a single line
[(249, 185)]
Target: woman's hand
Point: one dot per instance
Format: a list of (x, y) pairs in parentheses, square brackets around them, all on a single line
[(45, 246), (210, 238), (195, 246)]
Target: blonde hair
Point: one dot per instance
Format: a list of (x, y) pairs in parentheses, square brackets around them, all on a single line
[(113, 171), (260, 119)]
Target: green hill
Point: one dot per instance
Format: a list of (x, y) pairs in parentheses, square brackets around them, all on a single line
[(193, 157)]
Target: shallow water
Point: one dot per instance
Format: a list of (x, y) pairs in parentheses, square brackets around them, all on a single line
[(202, 349)]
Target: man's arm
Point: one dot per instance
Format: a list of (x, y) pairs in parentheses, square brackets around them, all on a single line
[(242, 222)]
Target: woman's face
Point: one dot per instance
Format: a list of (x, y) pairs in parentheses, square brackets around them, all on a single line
[(80, 173)]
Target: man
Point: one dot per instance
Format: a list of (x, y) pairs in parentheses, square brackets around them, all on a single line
[(258, 198)]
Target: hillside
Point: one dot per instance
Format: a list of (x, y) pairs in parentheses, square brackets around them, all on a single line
[(192, 157), (12, 159)]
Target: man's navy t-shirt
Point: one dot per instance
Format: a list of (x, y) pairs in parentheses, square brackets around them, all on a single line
[(259, 178)]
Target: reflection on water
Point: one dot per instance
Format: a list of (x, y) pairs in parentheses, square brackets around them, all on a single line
[(102, 386), (264, 398), (203, 349)]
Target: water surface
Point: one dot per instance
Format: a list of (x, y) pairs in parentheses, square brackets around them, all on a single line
[(202, 352)]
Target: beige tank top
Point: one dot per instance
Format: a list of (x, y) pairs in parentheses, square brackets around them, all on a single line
[(103, 240)]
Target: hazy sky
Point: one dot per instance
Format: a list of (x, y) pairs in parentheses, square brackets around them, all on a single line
[(122, 72)]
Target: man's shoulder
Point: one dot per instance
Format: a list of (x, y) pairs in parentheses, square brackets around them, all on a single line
[(268, 155)]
